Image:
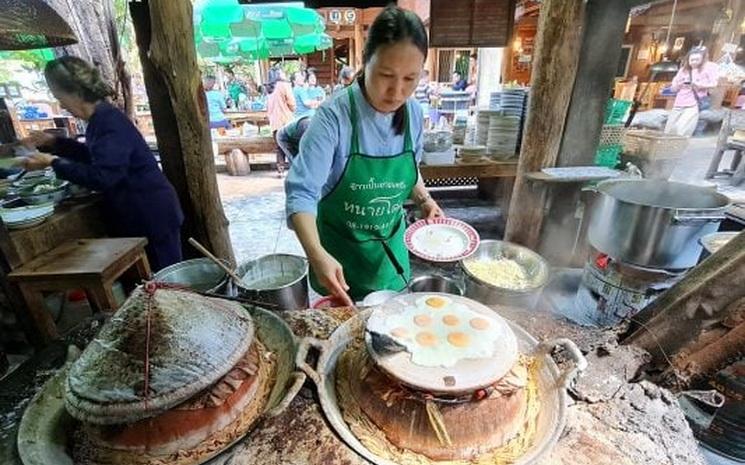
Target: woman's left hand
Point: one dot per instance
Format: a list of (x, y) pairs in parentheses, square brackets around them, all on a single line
[(38, 161), (431, 210)]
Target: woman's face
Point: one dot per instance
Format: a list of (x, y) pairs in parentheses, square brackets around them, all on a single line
[(299, 79), (312, 80), (392, 74), (695, 60), (70, 102)]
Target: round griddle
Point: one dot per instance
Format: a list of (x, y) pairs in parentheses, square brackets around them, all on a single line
[(467, 375)]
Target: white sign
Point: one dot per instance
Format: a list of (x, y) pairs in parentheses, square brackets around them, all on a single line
[(335, 16), (350, 16)]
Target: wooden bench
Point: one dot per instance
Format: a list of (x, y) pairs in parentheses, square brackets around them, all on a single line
[(89, 264)]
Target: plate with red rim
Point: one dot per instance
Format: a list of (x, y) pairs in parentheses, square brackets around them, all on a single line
[(441, 239)]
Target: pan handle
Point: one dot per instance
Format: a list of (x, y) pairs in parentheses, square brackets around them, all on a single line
[(297, 384), (578, 361), (305, 345)]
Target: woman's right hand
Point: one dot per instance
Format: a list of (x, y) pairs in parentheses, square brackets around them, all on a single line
[(38, 139), (330, 275)]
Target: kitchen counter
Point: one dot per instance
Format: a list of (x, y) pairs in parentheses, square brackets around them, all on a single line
[(610, 420), (72, 219)]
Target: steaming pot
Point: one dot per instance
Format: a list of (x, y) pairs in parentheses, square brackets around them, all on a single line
[(654, 223)]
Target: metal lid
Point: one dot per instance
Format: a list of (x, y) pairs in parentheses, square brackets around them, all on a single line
[(487, 355)]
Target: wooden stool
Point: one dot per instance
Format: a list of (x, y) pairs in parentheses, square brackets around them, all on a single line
[(90, 264)]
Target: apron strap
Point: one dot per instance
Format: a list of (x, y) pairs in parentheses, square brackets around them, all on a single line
[(355, 147), (408, 146)]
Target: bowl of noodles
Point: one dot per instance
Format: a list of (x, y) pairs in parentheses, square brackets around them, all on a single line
[(503, 273)]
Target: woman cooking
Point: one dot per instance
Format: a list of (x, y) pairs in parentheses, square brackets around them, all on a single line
[(358, 164), (115, 160)]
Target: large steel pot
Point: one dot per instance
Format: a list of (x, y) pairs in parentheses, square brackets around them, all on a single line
[(552, 385), (277, 279), (654, 223)]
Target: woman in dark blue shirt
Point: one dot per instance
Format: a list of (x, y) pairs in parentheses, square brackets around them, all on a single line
[(115, 160)]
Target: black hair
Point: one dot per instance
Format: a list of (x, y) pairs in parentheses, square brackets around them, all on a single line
[(394, 25)]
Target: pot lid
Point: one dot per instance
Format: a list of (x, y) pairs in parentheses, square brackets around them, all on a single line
[(440, 343), (193, 341), (31, 24)]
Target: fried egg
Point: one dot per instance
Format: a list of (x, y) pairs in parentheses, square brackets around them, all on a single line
[(433, 302), (439, 332)]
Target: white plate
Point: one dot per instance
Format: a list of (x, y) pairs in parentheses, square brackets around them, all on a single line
[(441, 239)]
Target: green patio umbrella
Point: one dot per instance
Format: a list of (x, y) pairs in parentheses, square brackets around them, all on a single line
[(226, 28), (43, 54)]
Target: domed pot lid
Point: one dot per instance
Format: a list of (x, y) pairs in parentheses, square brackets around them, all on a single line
[(174, 342)]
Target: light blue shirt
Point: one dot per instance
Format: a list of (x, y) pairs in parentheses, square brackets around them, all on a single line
[(301, 95), (324, 148), (215, 105)]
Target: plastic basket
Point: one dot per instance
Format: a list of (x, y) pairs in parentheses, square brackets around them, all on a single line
[(608, 155), (616, 110), (612, 134)]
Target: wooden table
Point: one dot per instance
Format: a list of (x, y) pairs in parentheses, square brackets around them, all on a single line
[(90, 264), (72, 219), (257, 118), (466, 173)]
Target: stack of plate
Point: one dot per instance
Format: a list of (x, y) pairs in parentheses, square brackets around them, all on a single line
[(495, 101), (27, 216), (472, 153), (446, 157), (482, 125), (502, 139), (512, 102)]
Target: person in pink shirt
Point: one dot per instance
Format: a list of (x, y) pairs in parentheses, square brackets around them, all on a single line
[(692, 84), (280, 109)]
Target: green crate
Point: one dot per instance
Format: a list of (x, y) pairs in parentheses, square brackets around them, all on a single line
[(608, 155), (616, 110)]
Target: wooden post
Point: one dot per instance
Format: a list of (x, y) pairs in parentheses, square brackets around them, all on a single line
[(165, 38), (560, 241), (358, 42), (554, 69), (601, 49), (731, 31), (694, 326)]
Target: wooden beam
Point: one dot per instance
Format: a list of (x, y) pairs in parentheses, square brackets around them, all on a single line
[(358, 42), (601, 49), (164, 31), (554, 69), (672, 327)]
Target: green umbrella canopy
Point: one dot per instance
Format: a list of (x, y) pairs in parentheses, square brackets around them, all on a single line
[(226, 28)]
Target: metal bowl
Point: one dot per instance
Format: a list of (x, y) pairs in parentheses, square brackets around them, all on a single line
[(435, 283), (277, 279), (200, 274), (537, 268)]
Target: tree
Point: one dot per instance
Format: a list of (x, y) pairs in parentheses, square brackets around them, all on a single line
[(95, 23)]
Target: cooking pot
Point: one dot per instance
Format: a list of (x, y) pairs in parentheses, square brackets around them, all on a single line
[(654, 223), (277, 279), (200, 274), (552, 385)]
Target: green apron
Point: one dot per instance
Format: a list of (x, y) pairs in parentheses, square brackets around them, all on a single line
[(361, 220)]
